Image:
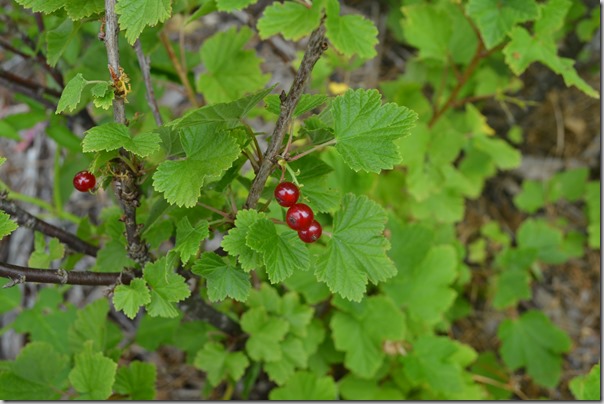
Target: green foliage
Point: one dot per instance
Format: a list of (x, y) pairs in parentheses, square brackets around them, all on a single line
[(587, 387), (219, 363), (137, 381), (290, 19), (308, 385), (7, 226), (223, 278), (93, 376), (112, 136), (136, 15)]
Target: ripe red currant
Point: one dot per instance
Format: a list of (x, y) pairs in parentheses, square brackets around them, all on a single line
[(312, 234), (287, 194), (84, 181), (299, 216)]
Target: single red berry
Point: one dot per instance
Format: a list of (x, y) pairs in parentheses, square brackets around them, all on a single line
[(299, 216), (312, 234), (84, 181), (287, 194)]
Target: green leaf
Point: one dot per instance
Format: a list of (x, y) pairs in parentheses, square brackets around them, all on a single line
[(356, 252), (290, 19), (231, 5), (504, 156), (552, 17), (352, 387), (42, 6), (587, 387), (134, 15), (294, 356), (79, 9), (7, 226), (70, 98), (495, 19), (113, 257), (43, 254), (266, 332), (487, 364), (112, 136), (137, 381), (547, 240), (365, 129), (208, 154), (231, 71), (306, 386), (9, 297), (592, 202), (38, 373), (189, 238), (129, 298), (307, 102), (58, 39), (155, 331), (532, 341), (223, 278), (510, 288), (220, 364), (417, 18), (103, 95), (90, 325), (93, 376), (532, 196), (568, 185), (350, 34), (360, 329), (166, 286), (282, 253), (235, 241)]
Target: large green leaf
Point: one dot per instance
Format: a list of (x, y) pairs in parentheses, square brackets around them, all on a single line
[(220, 364), (135, 15), (112, 136), (350, 34), (93, 376), (167, 288), (306, 386), (223, 278), (290, 19)]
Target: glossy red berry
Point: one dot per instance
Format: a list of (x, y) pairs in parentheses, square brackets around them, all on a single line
[(312, 234), (299, 216), (286, 194), (84, 181)]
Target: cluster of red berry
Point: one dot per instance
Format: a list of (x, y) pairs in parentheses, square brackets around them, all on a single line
[(299, 217)]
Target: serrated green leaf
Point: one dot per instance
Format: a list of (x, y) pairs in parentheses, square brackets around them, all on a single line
[(90, 325), (496, 19), (223, 278), (129, 298), (350, 34), (93, 376), (361, 329), (220, 364), (552, 17), (166, 286), (297, 314), (532, 196), (7, 226), (44, 254), (135, 15), (305, 385), (113, 257), (282, 253), (355, 388), (547, 240), (532, 341), (72, 93), (189, 238), (112, 136), (137, 380), (79, 9), (587, 387), (356, 252), (58, 39), (42, 6), (294, 356), (510, 288), (155, 331), (103, 95), (504, 156), (231, 71), (208, 155), (266, 332), (290, 19), (235, 241), (365, 129), (568, 185), (231, 5), (420, 16)]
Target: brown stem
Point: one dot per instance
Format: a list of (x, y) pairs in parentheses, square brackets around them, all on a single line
[(19, 274), (196, 308), (143, 62), (29, 84), (180, 70), (316, 47), (28, 220), (29, 92)]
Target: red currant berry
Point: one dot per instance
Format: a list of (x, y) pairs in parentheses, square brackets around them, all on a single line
[(84, 181), (287, 194), (299, 216), (312, 234)]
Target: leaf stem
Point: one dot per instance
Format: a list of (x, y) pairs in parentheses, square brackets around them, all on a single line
[(213, 209), (313, 149), (182, 74)]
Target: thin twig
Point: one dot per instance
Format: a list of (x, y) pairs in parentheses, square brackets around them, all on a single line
[(29, 84), (196, 308), (213, 209), (143, 62), (19, 274), (28, 220), (180, 70), (316, 47), (313, 149)]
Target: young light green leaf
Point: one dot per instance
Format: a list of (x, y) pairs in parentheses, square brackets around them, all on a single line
[(305, 385), (546, 239), (102, 95), (568, 185), (232, 5), (532, 341), (266, 332), (282, 253), (44, 254), (294, 356), (290, 19), (504, 156), (532, 196), (356, 252), (208, 153), (365, 129), (137, 380), (7, 226), (235, 241), (231, 71), (166, 286), (112, 136), (129, 298), (223, 278), (72, 93), (350, 34), (361, 329), (552, 17), (587, 387), (189, 238), (511, 287), (134, 15), (417, 18), (495, 20), (220, 364), (93, 376)]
